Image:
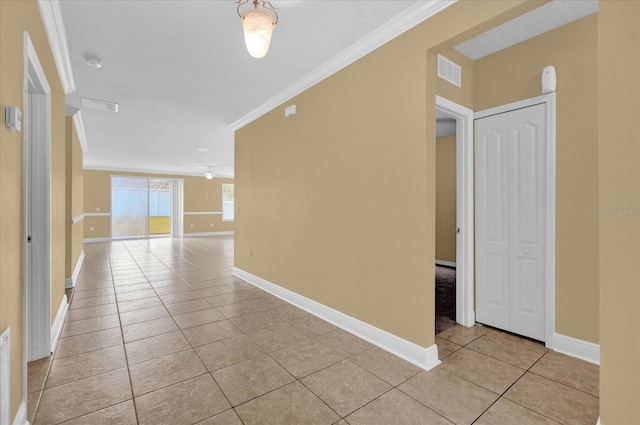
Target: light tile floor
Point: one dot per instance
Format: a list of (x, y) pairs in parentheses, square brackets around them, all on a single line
[(159, 332)]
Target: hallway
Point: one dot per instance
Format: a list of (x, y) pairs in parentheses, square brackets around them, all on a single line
[(159, 332)]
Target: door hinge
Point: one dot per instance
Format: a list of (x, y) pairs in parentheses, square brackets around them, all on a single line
[(458, 230), (29, 239)]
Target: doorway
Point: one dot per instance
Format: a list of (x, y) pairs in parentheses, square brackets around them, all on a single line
[(464, 250), (445, 279)]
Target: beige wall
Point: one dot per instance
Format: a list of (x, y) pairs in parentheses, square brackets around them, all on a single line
[(618, 128), (514, 74), (461, 95), (74, 193), (96, 199), (212, 202), (16, 17), (446, 199), (338, 203), (200, 195)]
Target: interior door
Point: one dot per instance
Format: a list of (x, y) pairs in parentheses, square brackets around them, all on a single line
[(510, 221), (28, 231), (37, 224)]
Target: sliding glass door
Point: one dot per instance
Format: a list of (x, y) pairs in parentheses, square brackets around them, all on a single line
[(159, 206), (140, 207)]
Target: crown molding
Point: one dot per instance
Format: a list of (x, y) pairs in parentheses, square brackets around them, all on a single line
[(403, 22), (54, 25), (97, 167)]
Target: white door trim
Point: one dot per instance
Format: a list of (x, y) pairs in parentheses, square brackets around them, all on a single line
[(465, 257), (550, 249), (36, 271)]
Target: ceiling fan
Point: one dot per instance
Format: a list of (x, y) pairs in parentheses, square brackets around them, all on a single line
[(209, 174)]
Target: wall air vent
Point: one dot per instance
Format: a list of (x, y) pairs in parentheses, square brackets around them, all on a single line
[(99, 104), (449, 71)]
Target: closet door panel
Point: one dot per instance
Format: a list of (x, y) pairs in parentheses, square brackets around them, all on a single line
[(492, 230), (527, 155)]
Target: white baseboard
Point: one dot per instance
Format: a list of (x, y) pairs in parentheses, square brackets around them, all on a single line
[(583, 350), (94, 240), (598, 423), (187, 235), (70, 282), (426, 358), (21, 415), (56, 327), (445, 263)]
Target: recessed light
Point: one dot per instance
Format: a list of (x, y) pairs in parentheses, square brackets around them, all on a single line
[(201, 149), (93, 61)]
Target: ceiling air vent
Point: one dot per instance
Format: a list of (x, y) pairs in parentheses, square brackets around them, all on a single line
[(99, 104), (449, 71)]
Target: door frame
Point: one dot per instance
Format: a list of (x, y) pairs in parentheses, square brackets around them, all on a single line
[(177, 208), (36, 207), (549, 100), (465, 204)]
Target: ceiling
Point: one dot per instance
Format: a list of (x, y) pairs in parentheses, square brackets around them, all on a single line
[(545, 18), (183, 80), (445, 124)]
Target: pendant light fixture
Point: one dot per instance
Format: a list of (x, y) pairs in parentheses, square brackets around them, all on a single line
[(258, 25)]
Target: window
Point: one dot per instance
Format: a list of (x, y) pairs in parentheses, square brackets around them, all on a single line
[(227, 202)]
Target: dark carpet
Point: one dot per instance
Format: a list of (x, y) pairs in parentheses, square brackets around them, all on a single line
[(445, 298)]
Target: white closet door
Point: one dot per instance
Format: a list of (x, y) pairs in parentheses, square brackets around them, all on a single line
[(492, 221), (510, 226), (527, 155)]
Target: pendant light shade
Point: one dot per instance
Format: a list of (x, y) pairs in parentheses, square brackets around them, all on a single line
[(258, 26)]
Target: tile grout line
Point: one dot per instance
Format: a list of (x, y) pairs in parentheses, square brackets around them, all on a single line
[(561, 383), (124, 348)]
